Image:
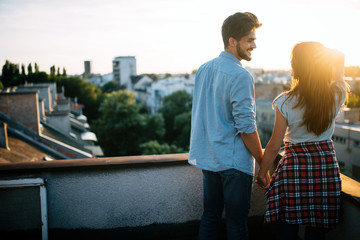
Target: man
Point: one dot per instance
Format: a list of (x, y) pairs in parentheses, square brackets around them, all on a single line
[(224, 140)]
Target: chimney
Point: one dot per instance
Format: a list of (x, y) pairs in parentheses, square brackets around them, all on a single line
[(3, 136)]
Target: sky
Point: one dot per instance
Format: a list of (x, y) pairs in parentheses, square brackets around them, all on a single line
[(167, 36)]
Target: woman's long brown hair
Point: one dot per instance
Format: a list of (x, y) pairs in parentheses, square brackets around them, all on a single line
[(315, 83)]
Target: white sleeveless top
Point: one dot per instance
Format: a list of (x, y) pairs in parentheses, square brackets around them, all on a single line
[(296, 133)]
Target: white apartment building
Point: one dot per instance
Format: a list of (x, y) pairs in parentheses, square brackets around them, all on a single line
[(123, 69), (150, 93), (346, 139)]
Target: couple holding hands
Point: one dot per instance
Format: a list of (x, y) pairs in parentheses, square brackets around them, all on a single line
[(305, 187)]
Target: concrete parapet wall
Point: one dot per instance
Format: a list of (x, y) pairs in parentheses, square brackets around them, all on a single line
[(127, 192)]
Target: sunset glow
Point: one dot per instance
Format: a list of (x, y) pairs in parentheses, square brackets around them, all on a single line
[(167, 35)]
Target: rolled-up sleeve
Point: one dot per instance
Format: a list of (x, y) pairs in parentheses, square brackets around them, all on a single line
[(279, 102), (243, 103)]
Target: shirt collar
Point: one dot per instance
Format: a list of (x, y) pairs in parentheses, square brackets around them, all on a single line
[(230, 56)]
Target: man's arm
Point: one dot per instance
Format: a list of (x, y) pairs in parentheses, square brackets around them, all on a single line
[(253, 144)]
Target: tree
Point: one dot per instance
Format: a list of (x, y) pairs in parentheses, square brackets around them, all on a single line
[(38, 77), (175, 104), (154, 147), (168, 75), (23, 70), (110, 87), (37, 68), (154, 129), (64, 73), (86, 93), (29, 69), (182, 126), (122, 129), (10, 74), (353, 101), (52, 71), (120, 124)]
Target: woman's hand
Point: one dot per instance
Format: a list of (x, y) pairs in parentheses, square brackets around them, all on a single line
[(263, 181)]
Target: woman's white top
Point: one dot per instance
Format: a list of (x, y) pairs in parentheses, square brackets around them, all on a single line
[(294, 117)]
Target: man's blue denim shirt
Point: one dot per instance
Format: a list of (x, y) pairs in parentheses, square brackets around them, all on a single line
[(223, 107)]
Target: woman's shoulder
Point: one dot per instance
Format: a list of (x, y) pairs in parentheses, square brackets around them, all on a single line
[(281, 98)]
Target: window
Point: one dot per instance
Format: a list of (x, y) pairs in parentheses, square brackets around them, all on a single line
[(339, 139)]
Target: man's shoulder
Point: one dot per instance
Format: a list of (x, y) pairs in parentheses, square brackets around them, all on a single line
[(227, 66)]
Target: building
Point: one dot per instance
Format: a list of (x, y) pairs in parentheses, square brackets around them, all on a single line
[(162, 88), (88, 68), (265, 118), (123, 69), (47, 120), (346, 139)]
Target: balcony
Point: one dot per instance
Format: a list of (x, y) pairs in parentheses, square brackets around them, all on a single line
[(135, 197)]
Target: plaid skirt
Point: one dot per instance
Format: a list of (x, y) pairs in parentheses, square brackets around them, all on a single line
[(305, 188)]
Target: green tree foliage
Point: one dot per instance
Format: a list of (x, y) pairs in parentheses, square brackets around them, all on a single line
[(64, 74), (168, 75), (120, 125), (10, 74), (87, 94), (155, 127), (121, 128), (110, 87), (37, 77), (182, 125), (23, 70), (154, 147), (53, 73), (178, 103), (29, 69), (353, 101), (37, 69)]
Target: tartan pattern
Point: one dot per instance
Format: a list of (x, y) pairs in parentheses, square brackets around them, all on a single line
[(305, 188)]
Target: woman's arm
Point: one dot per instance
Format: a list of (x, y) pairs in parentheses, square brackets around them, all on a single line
[(272, 148)]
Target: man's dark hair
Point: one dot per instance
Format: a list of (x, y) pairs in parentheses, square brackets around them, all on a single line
[(238, 25)]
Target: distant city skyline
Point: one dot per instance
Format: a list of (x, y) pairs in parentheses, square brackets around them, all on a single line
[(167, 35)]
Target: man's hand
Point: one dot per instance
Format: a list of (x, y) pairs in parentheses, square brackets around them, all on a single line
[(263, 182)]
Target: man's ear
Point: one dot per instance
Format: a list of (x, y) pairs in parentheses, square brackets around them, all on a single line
[(232, 42)]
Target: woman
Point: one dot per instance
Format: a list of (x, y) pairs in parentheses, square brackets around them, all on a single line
[(305, 188)]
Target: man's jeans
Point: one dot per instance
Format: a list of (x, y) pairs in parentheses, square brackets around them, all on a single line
[(232, 189)]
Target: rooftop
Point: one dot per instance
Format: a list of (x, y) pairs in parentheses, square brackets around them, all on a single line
[(134, 197)]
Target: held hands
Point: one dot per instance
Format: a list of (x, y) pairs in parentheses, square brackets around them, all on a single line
[(263, 181)]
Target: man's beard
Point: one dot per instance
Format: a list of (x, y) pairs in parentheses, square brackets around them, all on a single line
[(242, 54)]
